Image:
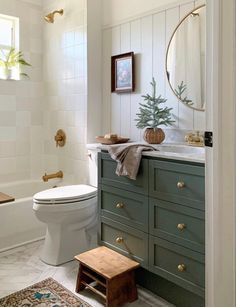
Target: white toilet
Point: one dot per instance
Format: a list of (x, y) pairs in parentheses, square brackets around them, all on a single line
[(68, 212)]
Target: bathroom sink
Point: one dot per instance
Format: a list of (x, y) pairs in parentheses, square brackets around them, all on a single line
[(182, 149), (178, 152)]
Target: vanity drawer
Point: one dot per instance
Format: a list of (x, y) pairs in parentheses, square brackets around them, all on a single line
[(179, 224), (126, 207), (178, 183), (126, 240), (177, 264), (107, 175)]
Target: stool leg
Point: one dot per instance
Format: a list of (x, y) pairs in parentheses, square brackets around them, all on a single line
[(111, 297), (79, 286), (133, 293)]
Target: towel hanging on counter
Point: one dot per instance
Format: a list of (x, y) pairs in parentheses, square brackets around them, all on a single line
[(128, 158)]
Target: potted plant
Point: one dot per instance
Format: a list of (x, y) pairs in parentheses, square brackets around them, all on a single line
[(152, 115), (10, 60)]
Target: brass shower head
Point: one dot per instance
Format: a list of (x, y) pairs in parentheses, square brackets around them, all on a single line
[(50, 17)]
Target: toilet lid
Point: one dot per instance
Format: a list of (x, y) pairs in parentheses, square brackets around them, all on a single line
[(65, 194)]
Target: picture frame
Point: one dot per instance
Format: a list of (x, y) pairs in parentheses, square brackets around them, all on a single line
[(122, 73)]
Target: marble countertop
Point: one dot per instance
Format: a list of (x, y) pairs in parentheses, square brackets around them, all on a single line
[(173, 151)]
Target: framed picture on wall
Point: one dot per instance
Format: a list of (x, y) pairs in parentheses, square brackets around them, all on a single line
[(122, 73)]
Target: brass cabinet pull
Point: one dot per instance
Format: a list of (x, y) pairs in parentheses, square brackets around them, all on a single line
[(181, 268), (181, 226), (119, 240), (120, 206), (180, 185)]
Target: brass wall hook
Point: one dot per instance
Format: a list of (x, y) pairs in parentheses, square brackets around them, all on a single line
[(60, 138)]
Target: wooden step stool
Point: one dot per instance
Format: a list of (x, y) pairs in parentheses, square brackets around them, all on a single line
[(111, 271)]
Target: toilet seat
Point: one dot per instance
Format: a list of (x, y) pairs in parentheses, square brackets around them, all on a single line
[(65, 194)]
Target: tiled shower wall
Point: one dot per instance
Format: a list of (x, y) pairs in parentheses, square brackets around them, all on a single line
[(65, 77), (21, 109), (148, 37)]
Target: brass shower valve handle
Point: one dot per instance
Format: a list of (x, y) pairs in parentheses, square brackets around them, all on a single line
[(60, 138)]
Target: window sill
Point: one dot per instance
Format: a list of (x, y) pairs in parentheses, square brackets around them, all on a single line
[(4, 79)]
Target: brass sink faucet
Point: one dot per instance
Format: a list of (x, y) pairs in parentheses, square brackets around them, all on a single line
[(195, 139)]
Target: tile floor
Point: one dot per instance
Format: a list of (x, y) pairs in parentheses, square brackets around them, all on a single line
[(22, 267)]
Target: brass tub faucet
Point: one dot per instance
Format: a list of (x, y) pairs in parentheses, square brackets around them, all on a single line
[(52, 176)]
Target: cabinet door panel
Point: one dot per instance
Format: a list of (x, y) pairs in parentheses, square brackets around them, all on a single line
[(179, 224), (133, 243), (177, 264), (125, 207), (178, 183), (107, 175)]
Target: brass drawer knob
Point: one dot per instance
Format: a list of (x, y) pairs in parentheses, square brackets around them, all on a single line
[(180, 185), (120, 206), (181, 268), (119, 240), (181, 226)]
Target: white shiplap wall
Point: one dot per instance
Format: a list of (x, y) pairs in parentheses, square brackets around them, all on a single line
[(148, 37)]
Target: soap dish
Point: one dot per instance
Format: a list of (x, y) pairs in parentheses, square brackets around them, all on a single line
[(105, 141)]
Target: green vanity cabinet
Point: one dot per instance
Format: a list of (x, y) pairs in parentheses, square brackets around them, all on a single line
[(177, 182), (159, 221), (124, 239), (125, 207), (107, 176), (180, 265), (176, 223)]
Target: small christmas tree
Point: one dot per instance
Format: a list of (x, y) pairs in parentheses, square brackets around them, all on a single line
[(152, 115)]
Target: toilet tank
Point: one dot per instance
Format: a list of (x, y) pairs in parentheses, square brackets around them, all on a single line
[(93, 164)]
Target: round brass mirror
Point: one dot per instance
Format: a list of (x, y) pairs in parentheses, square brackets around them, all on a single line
[(186, 60)]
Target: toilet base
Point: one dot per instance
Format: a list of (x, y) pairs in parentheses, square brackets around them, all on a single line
[(62, 243)]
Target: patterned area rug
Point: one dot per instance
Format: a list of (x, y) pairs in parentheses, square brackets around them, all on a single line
[(47, 293)]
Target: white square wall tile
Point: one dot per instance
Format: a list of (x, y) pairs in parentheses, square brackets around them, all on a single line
[(79, 68), (36, 118), (7, 118), (22, 88), (7, 149), (35, 16), (69, 38), (36, 89), (22, 148), (51, 163), (37, 166), (79, 35), (23, 133), (8, 87), (23, 119), (7, 165), (8, 134), (7, 102), (23, 164)]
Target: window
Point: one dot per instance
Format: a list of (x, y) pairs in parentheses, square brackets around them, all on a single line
[(9, 38)]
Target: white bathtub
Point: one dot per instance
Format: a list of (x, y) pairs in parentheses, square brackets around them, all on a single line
[(18, 224)]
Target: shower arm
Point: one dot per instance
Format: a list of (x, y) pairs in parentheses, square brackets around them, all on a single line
[(58, 12)]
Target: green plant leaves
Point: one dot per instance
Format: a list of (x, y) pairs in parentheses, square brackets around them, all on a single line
[(151, 114), (12, 59), (180, 91)]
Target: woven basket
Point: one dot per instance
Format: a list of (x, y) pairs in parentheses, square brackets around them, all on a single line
[(154, 135)]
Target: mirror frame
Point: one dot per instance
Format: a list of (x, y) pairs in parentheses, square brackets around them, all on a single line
[(167, 52)]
